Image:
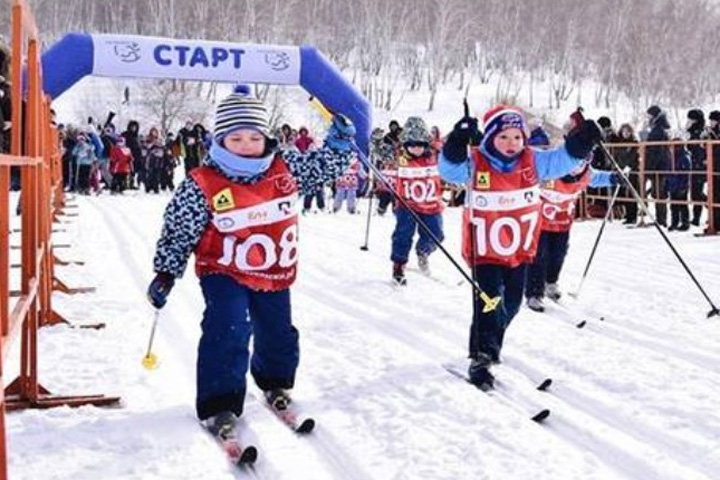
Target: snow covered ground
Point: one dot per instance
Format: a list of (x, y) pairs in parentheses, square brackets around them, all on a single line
[(634, 395)]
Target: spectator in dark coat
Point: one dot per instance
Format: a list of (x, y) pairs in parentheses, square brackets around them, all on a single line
[(677, 185), (392, 138), (628, 159), (696, 129), (132, 141), (657, 160), (188, 141)]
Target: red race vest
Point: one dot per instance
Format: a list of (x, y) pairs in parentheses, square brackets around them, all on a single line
[(390, 175), (349, 179), (502, 214), (253, 233), (418, 182), (559, 197)]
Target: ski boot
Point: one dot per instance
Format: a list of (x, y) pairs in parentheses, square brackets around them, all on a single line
[(536, 304), (479, 372), (552, 291), (423, 263), (398, 275), (222, 424), (278, 398)]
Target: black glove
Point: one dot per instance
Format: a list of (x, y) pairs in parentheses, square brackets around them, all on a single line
[(464, 133), (616, 179), (159, 289), (582, 139)]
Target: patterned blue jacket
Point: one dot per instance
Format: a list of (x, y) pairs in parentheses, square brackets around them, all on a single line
[(188, 213)]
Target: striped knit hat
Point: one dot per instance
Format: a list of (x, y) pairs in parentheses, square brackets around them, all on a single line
[(240, 110)]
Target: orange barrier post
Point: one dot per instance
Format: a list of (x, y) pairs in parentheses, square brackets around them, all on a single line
[(41, 195), (711, 193)]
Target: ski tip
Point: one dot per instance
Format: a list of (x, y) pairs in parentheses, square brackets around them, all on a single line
[(581, 324), (248, 456), (541, 416), (307, 426), (545, 384)]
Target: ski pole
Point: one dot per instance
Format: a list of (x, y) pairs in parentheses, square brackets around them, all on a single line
[(365, 247), (643, 206), (576, 293), (470, 200), (490, 302), (150, 361)]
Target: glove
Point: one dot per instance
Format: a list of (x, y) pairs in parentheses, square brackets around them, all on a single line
[(581, 140), (464, 133), (159, 289), (616, 179), (341, 133)]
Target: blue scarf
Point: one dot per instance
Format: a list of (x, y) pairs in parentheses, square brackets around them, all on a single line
[(236, 166), (496, 159)]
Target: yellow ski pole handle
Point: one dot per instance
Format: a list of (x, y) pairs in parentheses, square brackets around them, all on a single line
[(490, 303), (326, 114)]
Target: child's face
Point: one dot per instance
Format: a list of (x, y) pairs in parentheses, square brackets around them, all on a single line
[(416, 150), (509, 142), (245, 142)]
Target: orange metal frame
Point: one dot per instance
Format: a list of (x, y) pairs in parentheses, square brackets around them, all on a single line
[(42, 198), (642, 174)]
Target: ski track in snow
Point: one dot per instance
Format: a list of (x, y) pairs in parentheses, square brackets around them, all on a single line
[(633, 396)]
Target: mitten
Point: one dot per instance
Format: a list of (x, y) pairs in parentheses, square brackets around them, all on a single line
[(464, 133), (582, 139), (159, 289)]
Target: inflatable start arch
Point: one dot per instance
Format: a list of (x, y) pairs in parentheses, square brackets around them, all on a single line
[(132, 56)]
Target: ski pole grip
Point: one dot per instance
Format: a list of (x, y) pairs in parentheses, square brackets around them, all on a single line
[(326, 114)]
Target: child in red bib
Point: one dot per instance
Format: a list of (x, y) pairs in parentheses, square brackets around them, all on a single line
[(237, 213), (501, 223)]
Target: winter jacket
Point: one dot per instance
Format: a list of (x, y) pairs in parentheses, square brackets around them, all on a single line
[(657, 157), (304, 142), (121, 160), (697, 151), (131, 139), (677, 183), (84, 153)]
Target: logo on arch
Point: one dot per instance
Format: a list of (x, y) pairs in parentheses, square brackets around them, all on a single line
[(277, 61), (126, 51)]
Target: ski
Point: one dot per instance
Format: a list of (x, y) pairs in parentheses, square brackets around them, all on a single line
[(538, 417), (234, 450), (293, 418)]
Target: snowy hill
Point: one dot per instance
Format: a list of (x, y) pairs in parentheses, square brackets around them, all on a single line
[(634, 395)]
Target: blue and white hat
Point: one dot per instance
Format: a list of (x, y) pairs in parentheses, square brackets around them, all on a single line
[(240, 110)]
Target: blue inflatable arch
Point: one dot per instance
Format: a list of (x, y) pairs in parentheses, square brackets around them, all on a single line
[(131, 56)]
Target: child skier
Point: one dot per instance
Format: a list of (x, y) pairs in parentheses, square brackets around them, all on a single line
[(382, 156), (418, 183), (500, 222), (346, 187), (558, 212), (237, 214)]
